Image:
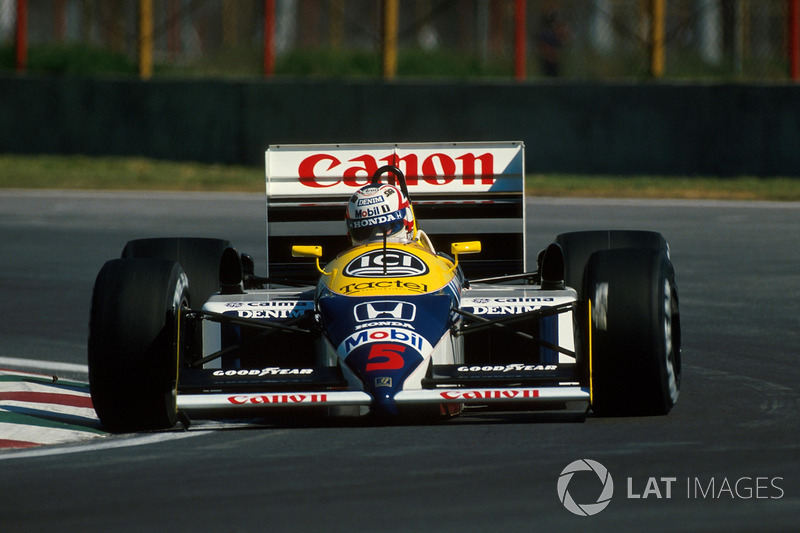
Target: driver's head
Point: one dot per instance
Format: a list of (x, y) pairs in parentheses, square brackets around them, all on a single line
[(378, 211)]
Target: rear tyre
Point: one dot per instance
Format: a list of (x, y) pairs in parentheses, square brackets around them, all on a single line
[(635, 332), (133, 343)]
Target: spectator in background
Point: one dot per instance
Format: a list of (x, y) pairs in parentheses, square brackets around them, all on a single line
[(551, 38)]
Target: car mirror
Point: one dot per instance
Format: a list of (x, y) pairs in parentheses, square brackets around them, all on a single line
[(307, 251), (469, 247)]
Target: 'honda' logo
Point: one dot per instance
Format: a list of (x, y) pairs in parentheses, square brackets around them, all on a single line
[(392, 309)]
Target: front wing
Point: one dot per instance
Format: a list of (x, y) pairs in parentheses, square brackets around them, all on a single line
[(225, 393)]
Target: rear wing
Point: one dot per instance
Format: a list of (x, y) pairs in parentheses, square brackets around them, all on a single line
[(459, 191)]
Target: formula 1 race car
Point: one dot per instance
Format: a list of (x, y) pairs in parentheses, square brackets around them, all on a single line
[(399, 322)]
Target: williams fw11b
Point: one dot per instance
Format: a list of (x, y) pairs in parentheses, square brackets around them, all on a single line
[(396, 287)]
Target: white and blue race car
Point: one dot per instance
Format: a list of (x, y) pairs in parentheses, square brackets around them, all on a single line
[(183, 328)]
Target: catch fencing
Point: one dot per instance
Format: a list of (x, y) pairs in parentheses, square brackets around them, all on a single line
[(740, 40)]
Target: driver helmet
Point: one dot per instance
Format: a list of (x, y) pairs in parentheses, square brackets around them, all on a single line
[(378, 211)]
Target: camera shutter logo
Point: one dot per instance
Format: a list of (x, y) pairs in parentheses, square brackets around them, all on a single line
[(585, 509)]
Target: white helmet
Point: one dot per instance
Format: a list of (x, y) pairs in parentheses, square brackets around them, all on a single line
[(378, 211)]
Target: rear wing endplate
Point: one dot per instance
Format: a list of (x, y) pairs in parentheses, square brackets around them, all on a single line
[(460, 192)]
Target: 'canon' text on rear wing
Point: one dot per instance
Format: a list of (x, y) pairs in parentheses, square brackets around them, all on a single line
[(459, 191)]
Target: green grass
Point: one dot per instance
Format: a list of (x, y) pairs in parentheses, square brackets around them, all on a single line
[(131, 173), (683, 187), (125, 173)]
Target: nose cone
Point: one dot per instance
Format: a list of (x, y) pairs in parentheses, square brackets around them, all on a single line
[(384, 340), (384, 364)]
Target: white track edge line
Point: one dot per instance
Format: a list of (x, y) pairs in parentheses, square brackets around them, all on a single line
[(38, 364), (115, 442)]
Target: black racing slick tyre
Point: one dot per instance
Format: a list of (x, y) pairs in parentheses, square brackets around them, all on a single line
[(199, 258), (635, 342), (578, 246), (133, 343)]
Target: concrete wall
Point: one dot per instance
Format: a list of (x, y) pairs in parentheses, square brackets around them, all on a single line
[(635, 128)]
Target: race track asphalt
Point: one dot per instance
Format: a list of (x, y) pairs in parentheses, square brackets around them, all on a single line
[(727, 458)]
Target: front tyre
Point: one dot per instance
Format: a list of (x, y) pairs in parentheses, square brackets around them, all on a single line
[(578, 247), (198, 257), (635, 332), (133, 343)]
